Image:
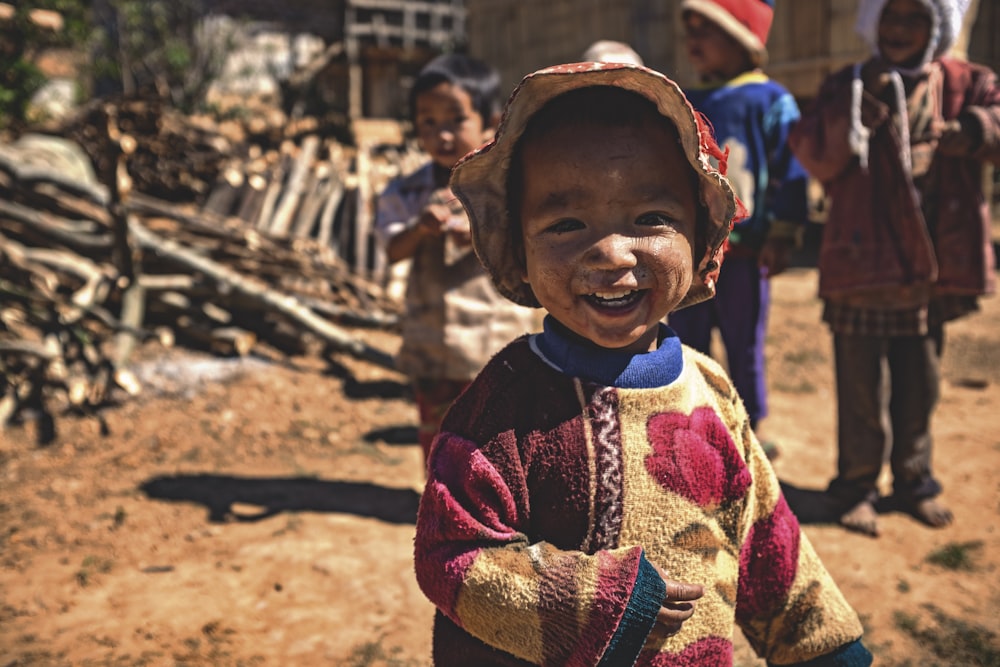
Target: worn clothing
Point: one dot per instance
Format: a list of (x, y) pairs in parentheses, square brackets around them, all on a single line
[(455, 320), (564, 470), (872, 371), (878, 249), (907, 247), (739, 311), (751, 116)]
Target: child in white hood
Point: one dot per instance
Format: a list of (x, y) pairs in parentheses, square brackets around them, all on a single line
[(899, 142)]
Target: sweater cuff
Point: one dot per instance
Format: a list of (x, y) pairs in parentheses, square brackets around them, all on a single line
[(849, 655), (637, 621)]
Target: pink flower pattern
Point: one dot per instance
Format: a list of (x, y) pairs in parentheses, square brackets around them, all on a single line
[(695, 457)]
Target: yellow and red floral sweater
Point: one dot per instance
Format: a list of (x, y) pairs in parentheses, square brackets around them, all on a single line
[(548, 494)]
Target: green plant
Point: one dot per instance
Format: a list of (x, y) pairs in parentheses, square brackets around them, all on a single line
[(373, 653), (956, 556), (92, 565), (156, 48), (953, 641), (21, 39)]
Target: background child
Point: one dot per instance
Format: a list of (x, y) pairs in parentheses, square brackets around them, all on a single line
[(751, 115), (899, 142), (589, 462), (455, 321)]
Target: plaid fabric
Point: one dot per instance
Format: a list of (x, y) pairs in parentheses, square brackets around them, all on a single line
[(854, 321)]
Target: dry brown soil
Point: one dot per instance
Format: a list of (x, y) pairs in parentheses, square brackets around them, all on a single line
[(252, 513)]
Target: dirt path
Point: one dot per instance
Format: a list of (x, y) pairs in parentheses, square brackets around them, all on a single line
[(254, 514)]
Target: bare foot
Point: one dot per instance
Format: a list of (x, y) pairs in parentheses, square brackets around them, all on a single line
[(933, 513), (861, 518)]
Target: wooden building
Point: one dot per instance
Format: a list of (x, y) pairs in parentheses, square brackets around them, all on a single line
[(809, 38), (374, 47)]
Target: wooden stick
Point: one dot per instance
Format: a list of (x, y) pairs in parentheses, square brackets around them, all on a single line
[(285, 304), (285, 210)]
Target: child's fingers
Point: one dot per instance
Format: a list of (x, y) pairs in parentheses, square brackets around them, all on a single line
[(672, 615), (680, 592)]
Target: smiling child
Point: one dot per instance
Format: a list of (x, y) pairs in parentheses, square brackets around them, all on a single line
[(597, 496)]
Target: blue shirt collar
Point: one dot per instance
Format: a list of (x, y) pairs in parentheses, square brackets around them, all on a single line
[(624, 370)]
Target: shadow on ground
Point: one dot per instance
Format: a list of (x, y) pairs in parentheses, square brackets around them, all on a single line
[(274, 495), (359, 390), (810, 505), (393, 435)]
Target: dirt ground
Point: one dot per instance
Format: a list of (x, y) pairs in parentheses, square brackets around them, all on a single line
[(253, 513)]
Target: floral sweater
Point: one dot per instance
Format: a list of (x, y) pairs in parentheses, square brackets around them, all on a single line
[(560, 471)]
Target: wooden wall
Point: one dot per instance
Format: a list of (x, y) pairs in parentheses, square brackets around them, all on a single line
[(520, 36), (809, 38)]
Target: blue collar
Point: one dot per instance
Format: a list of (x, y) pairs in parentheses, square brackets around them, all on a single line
[(625, 370)]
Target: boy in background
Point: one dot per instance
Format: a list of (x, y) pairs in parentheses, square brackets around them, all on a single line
[(751, 116), (598, 479), (455, 321), (899, 143)]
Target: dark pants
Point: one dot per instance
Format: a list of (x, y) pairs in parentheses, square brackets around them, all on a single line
[(887, 388), (739, 311)]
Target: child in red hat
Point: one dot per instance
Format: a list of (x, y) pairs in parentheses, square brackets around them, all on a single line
[(751, 115)]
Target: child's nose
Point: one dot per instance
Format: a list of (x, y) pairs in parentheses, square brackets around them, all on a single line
[(613, 252)]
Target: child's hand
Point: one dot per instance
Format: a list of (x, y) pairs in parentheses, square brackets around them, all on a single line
[(433, 219), (677, 607), (956, 140), (875, 75), (775, 256)]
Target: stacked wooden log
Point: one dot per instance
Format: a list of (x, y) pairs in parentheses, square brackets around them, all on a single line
[(276, 258)]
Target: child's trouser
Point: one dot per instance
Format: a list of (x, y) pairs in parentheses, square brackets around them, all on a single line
[(887, 388), (739, 310), (433, 397)]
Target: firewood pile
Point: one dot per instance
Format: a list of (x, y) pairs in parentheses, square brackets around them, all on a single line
[(263, 251)]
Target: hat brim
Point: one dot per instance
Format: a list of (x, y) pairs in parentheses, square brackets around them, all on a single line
[(479, 180)]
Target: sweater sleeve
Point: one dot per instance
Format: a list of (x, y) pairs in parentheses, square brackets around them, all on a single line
[(788, 605), (984, 107), (786, 195), (850, 655), (548, 606)]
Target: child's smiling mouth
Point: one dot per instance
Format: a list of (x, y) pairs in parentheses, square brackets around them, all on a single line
[(616, 298)]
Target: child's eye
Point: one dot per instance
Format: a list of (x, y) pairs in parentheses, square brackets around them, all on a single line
[(564, 225), (654, 220)]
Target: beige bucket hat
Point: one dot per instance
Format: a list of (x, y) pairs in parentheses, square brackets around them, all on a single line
[(479, 180)]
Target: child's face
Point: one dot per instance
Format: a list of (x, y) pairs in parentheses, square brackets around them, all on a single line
[(712, 52), (904, 31), (608, 220), (446, 123)]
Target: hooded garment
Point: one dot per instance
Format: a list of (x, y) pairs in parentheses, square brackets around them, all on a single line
[(946, 23), (946, 16)]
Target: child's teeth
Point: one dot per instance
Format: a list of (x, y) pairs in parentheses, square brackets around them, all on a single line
[(612, 295)]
